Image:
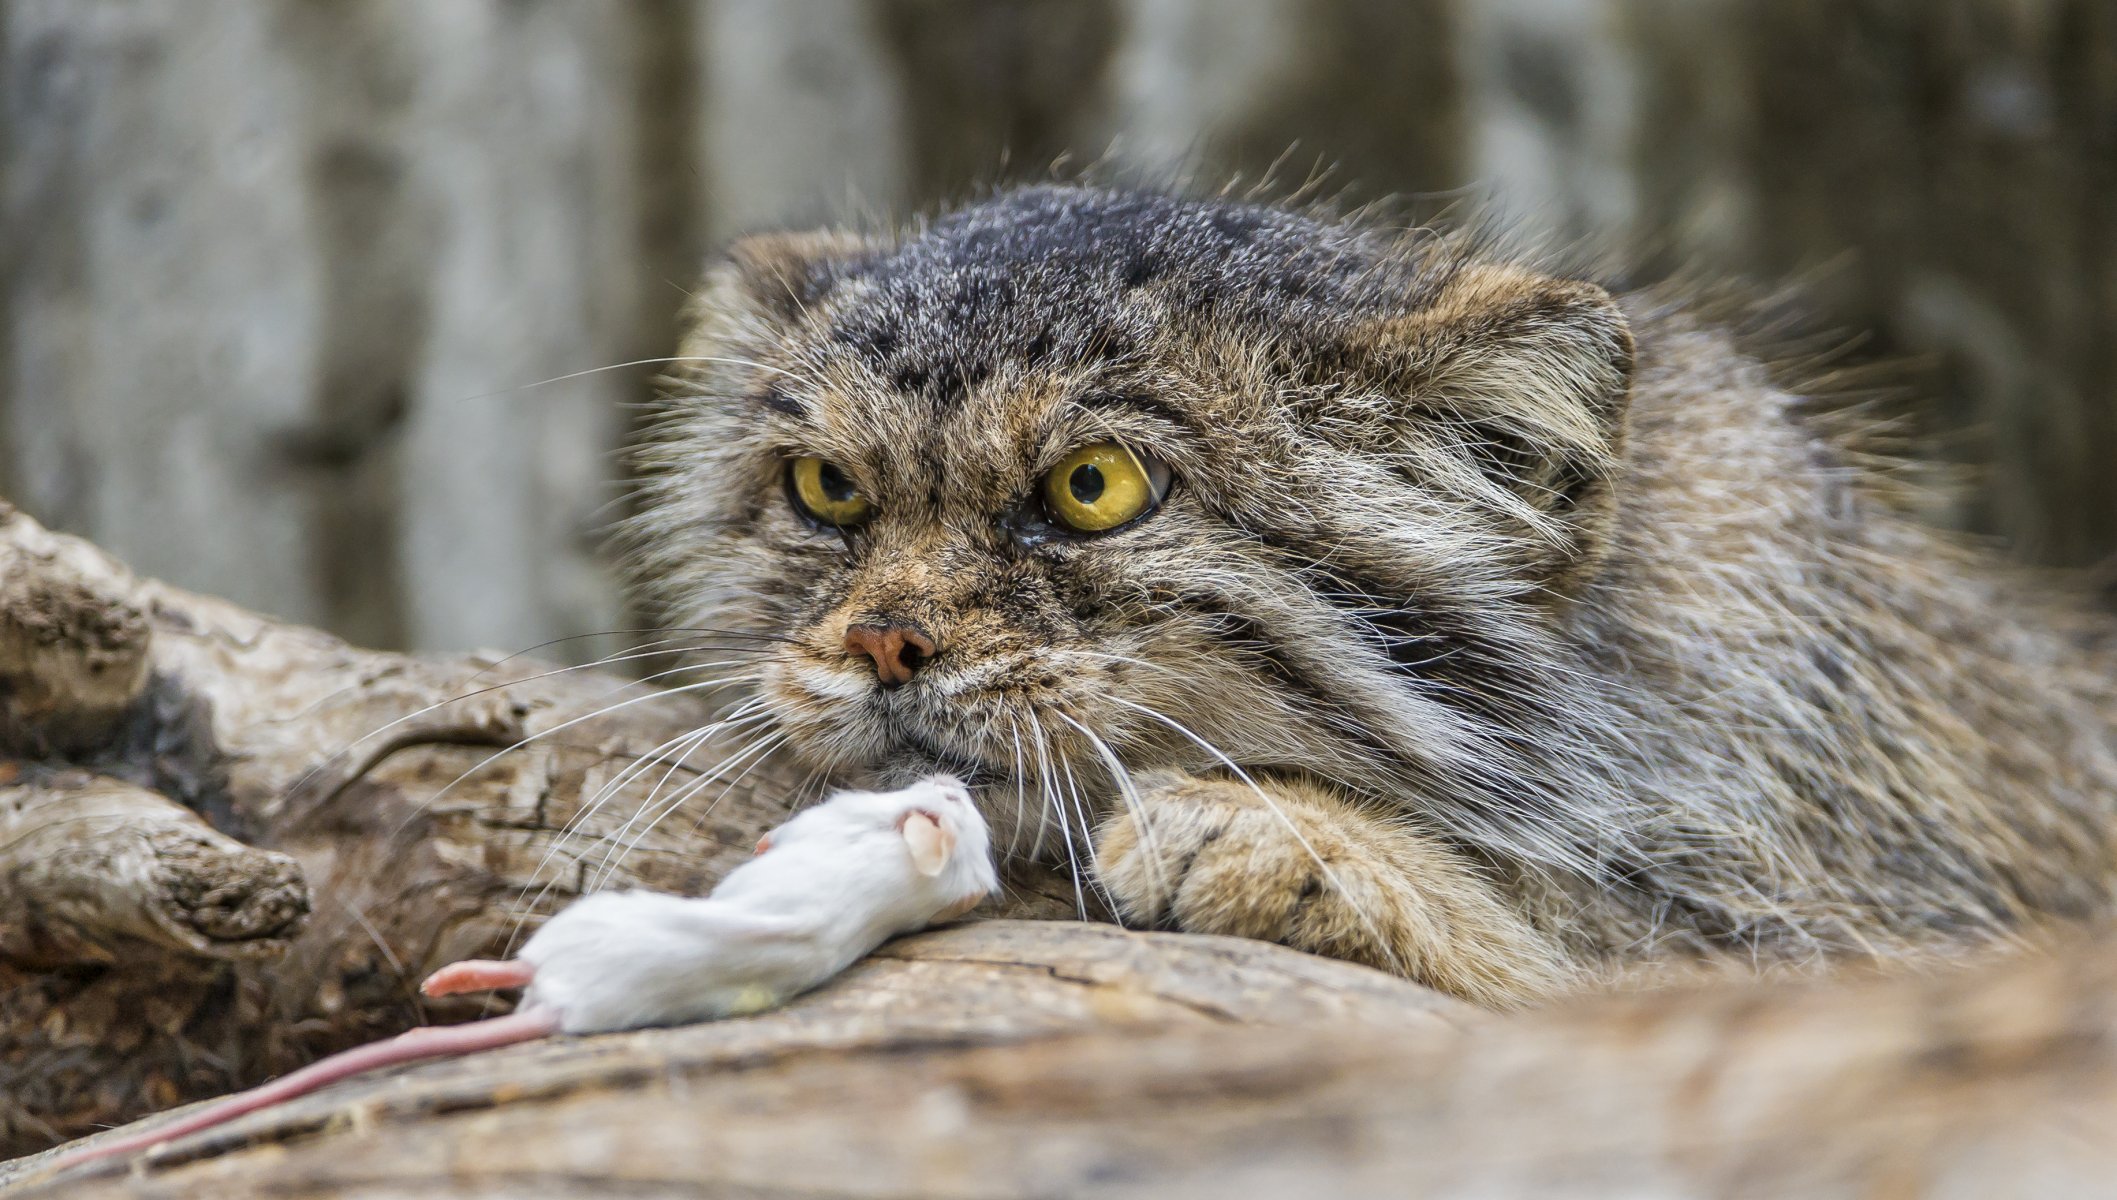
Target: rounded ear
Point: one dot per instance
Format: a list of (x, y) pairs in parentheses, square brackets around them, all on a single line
[(779, 276), (753, 293), (929, 841), (1530, 377)]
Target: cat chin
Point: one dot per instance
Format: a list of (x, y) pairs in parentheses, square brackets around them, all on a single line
[(877, 753), (915, 757)]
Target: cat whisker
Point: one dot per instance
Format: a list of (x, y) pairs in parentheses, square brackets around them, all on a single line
[(389, 956), (690, 647), (682, 746), (672, 634), (429, 802), (1087, 826), (749, 715), (702, 685), (684, 743), (1123, 658), (1047, 789), (752, 713), (637, 362), (1014, 837), (527, 905), (604, 710), (1129, 796), (743, 718), (756, 752)]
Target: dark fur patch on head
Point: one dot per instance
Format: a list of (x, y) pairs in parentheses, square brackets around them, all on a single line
[(1048, 276)]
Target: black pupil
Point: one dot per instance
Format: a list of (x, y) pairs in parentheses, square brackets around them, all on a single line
[(1086, 483), (836, 487)]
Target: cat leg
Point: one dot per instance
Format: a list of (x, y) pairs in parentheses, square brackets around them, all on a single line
[(1300, 866)]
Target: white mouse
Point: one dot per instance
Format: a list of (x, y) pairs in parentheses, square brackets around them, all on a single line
[(825, 889)]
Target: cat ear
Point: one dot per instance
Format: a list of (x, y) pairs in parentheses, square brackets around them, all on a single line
[(1530, 376), (928, 839), (779, 276)]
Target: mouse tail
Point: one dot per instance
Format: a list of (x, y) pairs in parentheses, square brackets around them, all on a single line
[(429, 1041)]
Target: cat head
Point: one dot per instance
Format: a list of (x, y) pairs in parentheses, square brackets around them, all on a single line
[(1074, 477)]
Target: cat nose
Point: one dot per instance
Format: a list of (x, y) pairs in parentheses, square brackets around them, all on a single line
[(898, 649)]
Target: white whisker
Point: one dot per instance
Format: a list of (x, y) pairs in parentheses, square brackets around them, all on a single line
[(756, 752), (576, 825), (637, 362), (1129, 795), (637, 652), (606, 710), (1047, 790)]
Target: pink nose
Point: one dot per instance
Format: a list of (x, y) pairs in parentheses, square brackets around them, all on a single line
[(898, 650)]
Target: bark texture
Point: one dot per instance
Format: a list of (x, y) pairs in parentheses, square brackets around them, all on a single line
[(275, 835), (229, 846)]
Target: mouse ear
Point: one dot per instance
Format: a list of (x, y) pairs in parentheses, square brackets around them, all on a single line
[(928, 839), (764, 843)]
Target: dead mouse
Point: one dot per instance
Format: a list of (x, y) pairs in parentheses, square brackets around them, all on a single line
[(825, 889)]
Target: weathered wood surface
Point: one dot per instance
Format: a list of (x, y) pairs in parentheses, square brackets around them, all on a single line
[(228, 846), (990, 984), (149, 957), (1047, 1059)]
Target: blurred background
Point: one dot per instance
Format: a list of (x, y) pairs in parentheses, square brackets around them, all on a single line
[(276, 275)]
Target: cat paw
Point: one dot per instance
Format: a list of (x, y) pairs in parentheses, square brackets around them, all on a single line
[(1216, 856), (1290, 863)]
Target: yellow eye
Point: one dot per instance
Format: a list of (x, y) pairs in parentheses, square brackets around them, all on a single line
[(823, 492), (1103, 486)]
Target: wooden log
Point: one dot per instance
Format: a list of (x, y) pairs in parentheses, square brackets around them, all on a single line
[(1036, 1059), (73, 648), (426, 809), (92, 863), (427, 803)]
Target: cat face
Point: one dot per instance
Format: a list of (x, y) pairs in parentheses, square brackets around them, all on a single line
[(1073, 478)]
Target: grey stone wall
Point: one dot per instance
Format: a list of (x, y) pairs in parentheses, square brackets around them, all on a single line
[(279, 279)]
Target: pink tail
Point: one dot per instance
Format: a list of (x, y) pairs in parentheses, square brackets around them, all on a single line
[(432, 1041)]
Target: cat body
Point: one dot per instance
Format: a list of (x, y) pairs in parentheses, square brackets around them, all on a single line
[(1370, 593)]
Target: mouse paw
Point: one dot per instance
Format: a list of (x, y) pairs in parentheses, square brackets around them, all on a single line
[(478, 975)]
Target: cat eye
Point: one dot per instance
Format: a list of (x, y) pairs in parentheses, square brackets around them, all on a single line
[(823, 493), (1100, 487)]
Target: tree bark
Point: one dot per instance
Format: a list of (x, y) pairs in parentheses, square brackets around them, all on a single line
[(230, 846)]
